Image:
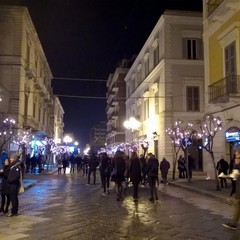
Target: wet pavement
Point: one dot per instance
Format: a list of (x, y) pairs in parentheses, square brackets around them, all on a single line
[(60, 207)]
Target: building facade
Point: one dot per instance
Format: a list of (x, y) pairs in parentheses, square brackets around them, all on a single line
[(221, 34), (116, 110), (166, 82), (25, 76), (98, 136)]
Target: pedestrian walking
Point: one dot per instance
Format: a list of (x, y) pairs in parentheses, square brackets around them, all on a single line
[(78, 162), (135, 174), (105, 171), (235, 174), (93, 163), (65, 163), (72, 161), (152, 173), (13, 182), (119, 167), (164, 167), (59, 164), (222, 168), (181, 167), (5, 196)]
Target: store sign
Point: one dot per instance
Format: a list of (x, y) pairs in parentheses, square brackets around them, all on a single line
[(232, 134)]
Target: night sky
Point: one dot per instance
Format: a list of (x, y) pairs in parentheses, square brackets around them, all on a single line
[(86, 39)]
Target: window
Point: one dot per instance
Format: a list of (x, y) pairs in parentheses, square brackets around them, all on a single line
[(156, 103), (132, 86), (146, 65), (26, 104), (156, 56), (193, 100), (230, 68), (230, 59), (39, 114), (146, 109), (192, 48), (34, 109)]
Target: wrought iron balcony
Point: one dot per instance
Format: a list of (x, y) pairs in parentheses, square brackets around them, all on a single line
[(212, 5), (225, 88)]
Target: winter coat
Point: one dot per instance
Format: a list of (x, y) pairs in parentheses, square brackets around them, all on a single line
[(135, 170), (164, 166), (4, 176), (222, 166), (93, 162), (152, 167), (120, 165), (13, 179)]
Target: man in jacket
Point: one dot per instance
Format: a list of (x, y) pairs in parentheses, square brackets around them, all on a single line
[(164, 167), (13, 181), (152, 173), (235, 175)]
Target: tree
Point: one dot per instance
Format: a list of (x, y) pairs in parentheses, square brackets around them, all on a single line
[(208, 128), (179, 131), (22, 140), (7, 127)]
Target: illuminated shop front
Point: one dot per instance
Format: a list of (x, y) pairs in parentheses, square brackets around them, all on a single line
[(232, 136)]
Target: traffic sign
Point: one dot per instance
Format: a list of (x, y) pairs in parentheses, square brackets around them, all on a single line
[(187, 142)]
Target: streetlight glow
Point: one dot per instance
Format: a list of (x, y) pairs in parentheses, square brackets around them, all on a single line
[(132, 124), (67, 139)]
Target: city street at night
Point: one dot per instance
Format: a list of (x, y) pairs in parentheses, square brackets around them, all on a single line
[(63, 207)]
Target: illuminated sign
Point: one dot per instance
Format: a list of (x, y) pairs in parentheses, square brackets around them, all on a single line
[(232, 134)]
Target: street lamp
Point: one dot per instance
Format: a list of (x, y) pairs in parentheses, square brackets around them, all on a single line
[(67, 139), (133, 124)]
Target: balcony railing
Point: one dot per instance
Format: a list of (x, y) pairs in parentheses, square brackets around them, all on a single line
[(213, 5), (221, 90)]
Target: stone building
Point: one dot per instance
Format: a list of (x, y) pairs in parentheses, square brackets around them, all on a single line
[(221, 31), (25, 76), (166, 82)]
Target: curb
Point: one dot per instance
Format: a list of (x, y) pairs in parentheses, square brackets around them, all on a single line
[(201, 192), (30, 185)]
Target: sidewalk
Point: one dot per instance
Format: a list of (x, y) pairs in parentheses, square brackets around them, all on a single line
[(30, 179), (201, 185)]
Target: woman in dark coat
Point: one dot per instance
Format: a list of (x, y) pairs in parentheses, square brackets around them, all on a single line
[(120, 166), (105, 171), (5, 195), (135, 174)]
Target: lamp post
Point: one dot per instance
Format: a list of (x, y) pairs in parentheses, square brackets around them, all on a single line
[(133, 124), (67, 140)]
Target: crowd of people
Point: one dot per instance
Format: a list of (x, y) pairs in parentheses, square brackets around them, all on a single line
[(121, 169)]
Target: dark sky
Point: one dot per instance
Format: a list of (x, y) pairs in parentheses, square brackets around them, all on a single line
[(85, 39)]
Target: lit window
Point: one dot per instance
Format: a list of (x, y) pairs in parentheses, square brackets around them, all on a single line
[(193, 99)]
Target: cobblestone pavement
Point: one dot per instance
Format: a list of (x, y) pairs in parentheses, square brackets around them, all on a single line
[(62, 207)]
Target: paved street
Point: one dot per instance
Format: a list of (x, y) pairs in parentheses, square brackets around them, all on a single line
[(63, 207)]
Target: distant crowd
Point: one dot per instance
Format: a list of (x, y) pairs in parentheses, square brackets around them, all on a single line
[(120, 169)]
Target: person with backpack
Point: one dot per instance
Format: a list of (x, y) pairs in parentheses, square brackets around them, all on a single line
[(222, 167), (152, 174)]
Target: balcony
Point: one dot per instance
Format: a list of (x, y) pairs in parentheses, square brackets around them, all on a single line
[(212, 5), (222, 90)]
